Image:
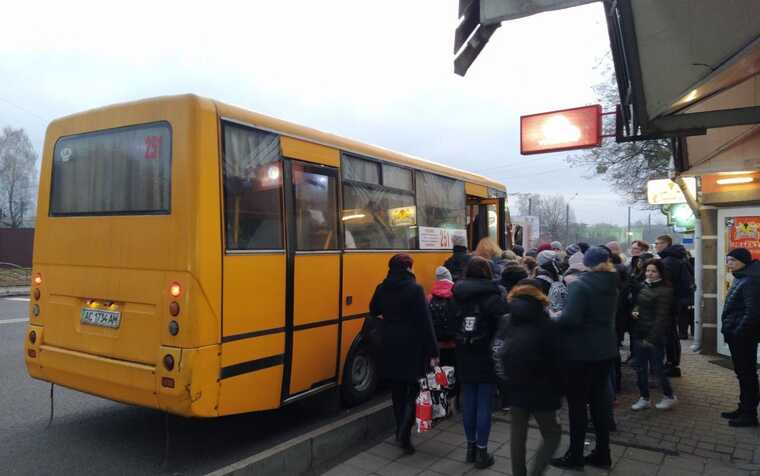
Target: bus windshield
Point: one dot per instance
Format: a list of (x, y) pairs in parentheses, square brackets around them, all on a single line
[(124, 171)]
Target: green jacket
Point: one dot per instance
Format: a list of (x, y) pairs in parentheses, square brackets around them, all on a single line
[(587, 323), (655, 317)]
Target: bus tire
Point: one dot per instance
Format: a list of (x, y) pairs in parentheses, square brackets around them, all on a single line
[(360, 377)]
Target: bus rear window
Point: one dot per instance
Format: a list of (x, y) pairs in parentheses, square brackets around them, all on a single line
[(125, 171)]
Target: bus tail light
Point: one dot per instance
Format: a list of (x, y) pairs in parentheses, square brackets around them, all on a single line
[(32, 353), (33, 337), (36, 294), (167, 382), (174, 308), (174, 328), (37, 279), (175, 289)]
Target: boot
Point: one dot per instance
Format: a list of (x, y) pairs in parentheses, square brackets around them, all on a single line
[(568, 462), (744, 420), (470, 458), (732, 415), (598, 458), (482, 459)]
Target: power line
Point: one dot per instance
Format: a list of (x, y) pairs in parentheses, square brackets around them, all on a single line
[(46, 121)]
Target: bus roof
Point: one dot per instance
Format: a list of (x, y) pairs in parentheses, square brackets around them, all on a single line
[(241, 115)]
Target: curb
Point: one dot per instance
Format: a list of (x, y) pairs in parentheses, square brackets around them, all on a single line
[(316, 448), (14, 291)]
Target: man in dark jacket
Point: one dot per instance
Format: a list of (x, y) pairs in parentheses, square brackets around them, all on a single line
[(675, 259), (457, 262), (588, 347), (408, 340), (526, 359), (741, 330)]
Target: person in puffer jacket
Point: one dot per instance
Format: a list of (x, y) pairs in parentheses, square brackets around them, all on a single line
[(741, 330), (526, 361)]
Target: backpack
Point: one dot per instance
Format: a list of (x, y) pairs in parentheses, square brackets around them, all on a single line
[(473, 328), (441, 316)]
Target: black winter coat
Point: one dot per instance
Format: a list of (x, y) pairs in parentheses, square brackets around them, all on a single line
[(676, 262), (474, 362), (457, 263), (741, 312), (587, 323), (653, 304), (527, 363), (408, 339)]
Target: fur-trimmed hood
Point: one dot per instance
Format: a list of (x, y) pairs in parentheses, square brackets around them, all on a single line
[(527, 304)]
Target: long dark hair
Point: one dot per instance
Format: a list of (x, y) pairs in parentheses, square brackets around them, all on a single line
[(478, 268), (657, 263)]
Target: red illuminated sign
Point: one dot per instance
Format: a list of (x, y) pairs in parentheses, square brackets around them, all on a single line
[(569, 129)]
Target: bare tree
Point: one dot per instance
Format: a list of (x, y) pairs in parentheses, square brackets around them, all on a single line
[(17, 176), (626, 166), (553, 213)]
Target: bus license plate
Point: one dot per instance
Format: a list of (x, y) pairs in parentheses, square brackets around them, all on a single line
[(96, 317)]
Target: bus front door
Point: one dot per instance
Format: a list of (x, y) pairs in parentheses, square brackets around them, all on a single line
[(313, 279)]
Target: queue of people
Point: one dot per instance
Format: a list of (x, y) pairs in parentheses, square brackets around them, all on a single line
[(547, 324)]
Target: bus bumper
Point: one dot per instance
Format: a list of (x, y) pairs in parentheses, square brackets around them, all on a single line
[(192, 390)]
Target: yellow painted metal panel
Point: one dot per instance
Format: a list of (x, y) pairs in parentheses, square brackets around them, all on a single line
[(245, 350), (314, 355), (250, 392), (476, 190), (254, 293), (316, 285), (310, 152)]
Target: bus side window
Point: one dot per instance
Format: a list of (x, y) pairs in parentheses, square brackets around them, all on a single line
[(252, 189), (315, 208)]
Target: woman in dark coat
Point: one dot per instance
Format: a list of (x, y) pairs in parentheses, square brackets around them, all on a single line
[(526, 358), (588, 347), (408, 340), (481, 303)]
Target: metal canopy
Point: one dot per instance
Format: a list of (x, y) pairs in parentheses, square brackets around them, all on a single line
[(672, 55)]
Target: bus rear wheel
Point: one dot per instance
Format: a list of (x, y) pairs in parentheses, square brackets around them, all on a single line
[(359, 377)]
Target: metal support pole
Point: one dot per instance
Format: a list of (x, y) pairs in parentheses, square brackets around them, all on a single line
[(628, 229), (698, 262)]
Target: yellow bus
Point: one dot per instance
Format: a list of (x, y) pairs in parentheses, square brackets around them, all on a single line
[(205, 260)]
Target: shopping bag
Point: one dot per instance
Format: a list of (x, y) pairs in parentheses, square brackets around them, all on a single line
[(450, 374), (440, 404), (424, 408), (440, 377)]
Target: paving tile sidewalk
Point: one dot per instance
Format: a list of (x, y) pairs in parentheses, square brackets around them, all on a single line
[(691, 439)]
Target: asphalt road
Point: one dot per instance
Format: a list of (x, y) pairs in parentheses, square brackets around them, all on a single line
[(90, 435)]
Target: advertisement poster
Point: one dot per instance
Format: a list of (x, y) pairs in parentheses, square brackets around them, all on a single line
[(744, 232), (439, 238), (403, 216)]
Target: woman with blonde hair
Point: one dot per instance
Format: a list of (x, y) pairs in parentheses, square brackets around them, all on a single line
[(490, 251)]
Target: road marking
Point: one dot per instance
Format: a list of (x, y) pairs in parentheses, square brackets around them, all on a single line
[(11, 321), (25, 299)]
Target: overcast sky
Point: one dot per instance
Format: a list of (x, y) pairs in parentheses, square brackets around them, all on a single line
[(379, 72)]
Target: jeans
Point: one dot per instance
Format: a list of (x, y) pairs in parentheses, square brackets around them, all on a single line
[(551, 432), (651, 354), (478, 403), (404, 396), (588, 382), (744, 357)]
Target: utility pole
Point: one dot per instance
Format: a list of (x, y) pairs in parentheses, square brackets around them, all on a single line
[(530, 205), (649, 229)]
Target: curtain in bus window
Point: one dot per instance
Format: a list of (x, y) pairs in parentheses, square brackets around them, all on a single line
[(378, 218), (440, 202), (360, 170), (252, 189), (118, 171), (397, 177)]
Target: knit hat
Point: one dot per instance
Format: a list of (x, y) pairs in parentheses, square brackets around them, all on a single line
[(545, 257), (519, 250), (544, 247), (741, 254), (572, 249), (400, 261), (595, 256), (556, 245), (442, 273), (576, 261), (458, 240), (583, 246)]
